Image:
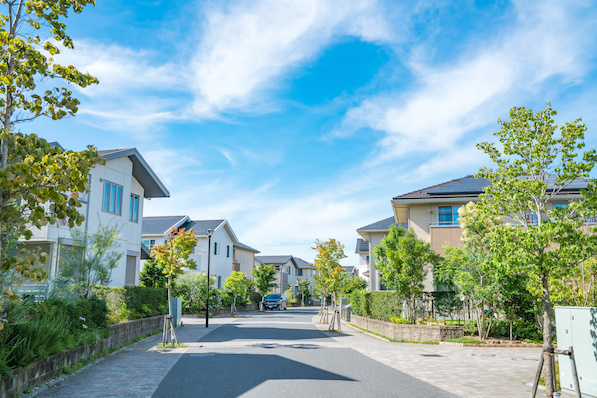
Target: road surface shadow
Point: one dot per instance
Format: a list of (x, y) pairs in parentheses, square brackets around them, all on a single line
[(234, 332), (211, 374)]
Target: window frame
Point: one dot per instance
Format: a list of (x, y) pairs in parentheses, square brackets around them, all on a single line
[(453, 213), (112, 198), (134, 211), (216, 249)]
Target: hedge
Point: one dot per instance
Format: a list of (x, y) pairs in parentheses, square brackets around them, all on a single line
[(376, 305), (133, 302)]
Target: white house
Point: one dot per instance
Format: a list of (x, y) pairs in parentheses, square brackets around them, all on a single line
[(305, 271), (286, 270), (117, 190), (244, 259), (156, 229)]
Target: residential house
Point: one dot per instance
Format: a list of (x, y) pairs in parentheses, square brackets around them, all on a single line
[(351, 270), (372, 234), (156, 230), (115, 198), (244, 259), (286, 268), (305, 271), (362, 250)]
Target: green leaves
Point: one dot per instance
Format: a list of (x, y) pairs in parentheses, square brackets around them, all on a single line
[(331, 275), (264, 276)]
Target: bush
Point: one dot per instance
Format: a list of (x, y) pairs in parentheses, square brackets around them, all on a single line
[(398, 320), (37, 330), (521, 329), (376, 305), (133, 302)]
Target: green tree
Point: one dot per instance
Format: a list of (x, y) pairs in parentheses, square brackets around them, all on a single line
[(191, 287), (90, 261), (537, 163), (353, 283), (153, 276), (264, 276), (468, 267), (401, 259), (237, 285), (331, 276), (38, 183), (304, 288), (171, 257)]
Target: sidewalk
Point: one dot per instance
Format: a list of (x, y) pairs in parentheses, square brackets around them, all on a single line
[(135, 371), (465, 371)]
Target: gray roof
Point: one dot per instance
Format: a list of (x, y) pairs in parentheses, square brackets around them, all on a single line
[(160, 225), (350, 269), (362, 246), (274, 259), (200, 227), (152, 186), (303, 264), (245, 247), (145, 252), (473, 186), (381, 224)]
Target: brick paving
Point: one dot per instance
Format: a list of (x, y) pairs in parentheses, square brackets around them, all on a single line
[(135, 371), (482, 372)]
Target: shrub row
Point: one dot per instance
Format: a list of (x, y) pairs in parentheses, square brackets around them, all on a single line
[(376, 305), (133, 302), (521, 329), (36, 330)]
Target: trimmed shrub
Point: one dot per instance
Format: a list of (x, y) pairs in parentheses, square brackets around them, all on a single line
[(133, 302), (376, 305), (398, 320), (521, 329)]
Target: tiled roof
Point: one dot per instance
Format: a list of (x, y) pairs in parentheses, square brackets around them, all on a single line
[(381, 224), (273, 259), (159, 225), (302, 263), (152, 186), (362, 246), (200, 227), (245, 247), (472, 186)]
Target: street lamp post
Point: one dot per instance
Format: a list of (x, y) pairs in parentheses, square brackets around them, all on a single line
[(209, 232)]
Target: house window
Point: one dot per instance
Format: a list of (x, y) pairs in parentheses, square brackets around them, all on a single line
[(447, 215), (134, 210), (216, 248), (228, 251), (150, 243), (112, 198), (299, 272), (532, 219)]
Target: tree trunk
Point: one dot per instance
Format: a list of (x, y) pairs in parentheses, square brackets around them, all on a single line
[(547, 337), (169, 309), (511, 321)]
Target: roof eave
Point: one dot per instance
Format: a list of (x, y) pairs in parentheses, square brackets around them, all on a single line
[(152, 186)]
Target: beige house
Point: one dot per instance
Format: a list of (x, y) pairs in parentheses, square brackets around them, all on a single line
[(244, 259)]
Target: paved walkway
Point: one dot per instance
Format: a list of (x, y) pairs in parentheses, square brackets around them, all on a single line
[(137, 370), (464, 371)]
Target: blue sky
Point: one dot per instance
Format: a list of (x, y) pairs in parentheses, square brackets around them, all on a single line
[(300, 120)]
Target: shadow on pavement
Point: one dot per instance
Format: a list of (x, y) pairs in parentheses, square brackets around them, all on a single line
[(209, 374), (233, 332)]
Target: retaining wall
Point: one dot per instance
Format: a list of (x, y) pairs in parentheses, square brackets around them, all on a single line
[(418, 333), (39, 372), (239, 308)]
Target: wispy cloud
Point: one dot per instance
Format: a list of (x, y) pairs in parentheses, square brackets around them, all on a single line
[(246, 47), (455, 99)]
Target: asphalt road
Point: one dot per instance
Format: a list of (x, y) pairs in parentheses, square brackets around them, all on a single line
[(282, 354)]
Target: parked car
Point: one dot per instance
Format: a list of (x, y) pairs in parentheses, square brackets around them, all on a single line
[(276, 300)]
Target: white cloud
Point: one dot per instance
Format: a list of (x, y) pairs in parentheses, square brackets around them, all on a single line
[(453, 100), (247, 46)]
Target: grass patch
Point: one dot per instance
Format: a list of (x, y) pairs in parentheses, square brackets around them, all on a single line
[(172, 345), (466, 340)]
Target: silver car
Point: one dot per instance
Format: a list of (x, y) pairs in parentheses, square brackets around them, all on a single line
[(276, 301)]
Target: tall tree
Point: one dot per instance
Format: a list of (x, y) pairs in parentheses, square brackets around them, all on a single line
[(264, 276), (171, 257), (304, 288), (330, 276), (401, 259), (538, 161), (152, 275), (38, 183), (238, 285)]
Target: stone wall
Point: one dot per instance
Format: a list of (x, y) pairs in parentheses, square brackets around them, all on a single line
[(418, 333), (220, 311), (39, 372)]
